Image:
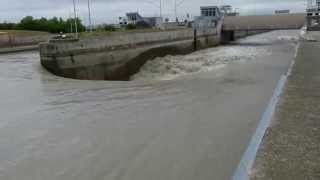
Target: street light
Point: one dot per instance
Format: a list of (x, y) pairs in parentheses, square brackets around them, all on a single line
[(75, 19), (70, 19), (89, 16), (161, 8), (176, 5)]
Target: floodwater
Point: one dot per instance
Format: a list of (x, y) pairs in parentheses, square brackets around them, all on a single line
[(182, 117)]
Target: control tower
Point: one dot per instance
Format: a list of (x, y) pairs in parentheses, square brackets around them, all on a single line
[(313, 15)]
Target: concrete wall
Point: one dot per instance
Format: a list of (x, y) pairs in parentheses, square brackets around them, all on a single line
[(229, 35), (264, 22), (173, 26), (117, 57), (13, 40)]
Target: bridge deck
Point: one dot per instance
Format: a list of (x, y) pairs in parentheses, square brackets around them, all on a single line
[(265, 22)]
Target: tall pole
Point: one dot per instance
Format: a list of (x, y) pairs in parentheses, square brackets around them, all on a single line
[(175, 10), (176, 5), (90, 22), (75, 19), (70, 17), (161, 8)]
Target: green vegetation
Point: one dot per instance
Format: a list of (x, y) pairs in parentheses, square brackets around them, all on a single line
[(53, 25), (139, 25), (24, 33), (8, 26), (57, 25), (109, 28), (99, 33), (131, 27)]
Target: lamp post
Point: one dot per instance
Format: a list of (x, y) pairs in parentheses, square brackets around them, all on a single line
[(176, 5), (161, 8), (70, 20), (175, 10), (89, 17), (75, 19)]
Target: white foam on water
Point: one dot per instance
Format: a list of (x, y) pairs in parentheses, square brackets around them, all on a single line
[(289, 38), (305, 36), (171, 67)]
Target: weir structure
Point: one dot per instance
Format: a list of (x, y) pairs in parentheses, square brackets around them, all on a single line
[(239, 26), (120, 55)]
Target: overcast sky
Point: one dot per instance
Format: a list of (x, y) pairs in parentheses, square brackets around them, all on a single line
[(108, 11)]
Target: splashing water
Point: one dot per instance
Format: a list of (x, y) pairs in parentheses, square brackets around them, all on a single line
[(171, 67)]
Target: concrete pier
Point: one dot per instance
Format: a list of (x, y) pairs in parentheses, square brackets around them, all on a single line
[(117, 57), (291, 147)]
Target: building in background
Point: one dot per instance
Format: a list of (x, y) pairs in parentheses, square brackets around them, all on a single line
[(286, 11), (136, 19), (227, 10), (210, 11), (123, 22), (313, 15), (210, 16)]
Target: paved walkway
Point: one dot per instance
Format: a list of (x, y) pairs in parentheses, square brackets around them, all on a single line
[(291, 146)]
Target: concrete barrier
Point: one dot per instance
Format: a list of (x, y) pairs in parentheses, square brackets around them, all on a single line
[(231, 35), (13, 39), (119, 56)]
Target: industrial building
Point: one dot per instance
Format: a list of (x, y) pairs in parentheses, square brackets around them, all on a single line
[(136, 19), (210, 15), (227, 10), (283, 11), (313, 15)]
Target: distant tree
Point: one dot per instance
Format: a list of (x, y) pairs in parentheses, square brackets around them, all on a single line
[(7, 26), (53, 25), (27, 23)]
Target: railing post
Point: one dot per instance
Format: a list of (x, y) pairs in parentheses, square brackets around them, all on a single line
[(195, 39), (10, 38)]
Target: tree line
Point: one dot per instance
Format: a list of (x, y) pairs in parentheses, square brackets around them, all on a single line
[(53, 25)]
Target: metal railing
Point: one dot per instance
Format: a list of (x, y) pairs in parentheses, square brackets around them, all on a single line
[(262, 27)]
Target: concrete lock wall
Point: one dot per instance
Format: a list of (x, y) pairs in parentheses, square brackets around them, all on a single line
[(232, 35), (117, 57), (12, 40)]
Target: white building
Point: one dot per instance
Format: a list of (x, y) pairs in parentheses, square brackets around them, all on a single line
[(136, 19), (210, 16)]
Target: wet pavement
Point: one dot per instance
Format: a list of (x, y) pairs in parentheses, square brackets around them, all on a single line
[(291, 146)]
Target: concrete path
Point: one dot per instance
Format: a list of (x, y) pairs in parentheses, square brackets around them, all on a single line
[(291, 146)]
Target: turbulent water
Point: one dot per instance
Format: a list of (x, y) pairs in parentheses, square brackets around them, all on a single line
[(194, 126), (171, 67)]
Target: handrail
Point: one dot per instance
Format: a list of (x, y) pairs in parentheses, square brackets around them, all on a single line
[(263, 27)]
